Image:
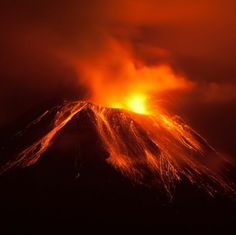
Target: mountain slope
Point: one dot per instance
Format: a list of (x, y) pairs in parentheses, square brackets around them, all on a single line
[(155, 150)]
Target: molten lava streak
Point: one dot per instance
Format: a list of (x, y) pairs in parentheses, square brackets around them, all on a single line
[(154, 149)]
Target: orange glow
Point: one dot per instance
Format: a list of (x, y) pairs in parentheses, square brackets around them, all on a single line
[(137, 104), (117, 79)]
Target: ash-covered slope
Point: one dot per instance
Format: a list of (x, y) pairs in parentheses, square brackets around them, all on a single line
[(156, 150)]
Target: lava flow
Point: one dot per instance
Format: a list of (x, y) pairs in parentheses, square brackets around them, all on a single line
[(154, 149)]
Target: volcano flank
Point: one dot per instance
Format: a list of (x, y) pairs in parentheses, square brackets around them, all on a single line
[(154, 150), (79, 156)]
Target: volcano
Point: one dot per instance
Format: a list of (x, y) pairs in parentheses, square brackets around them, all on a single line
[(79, 163), (152, 150)]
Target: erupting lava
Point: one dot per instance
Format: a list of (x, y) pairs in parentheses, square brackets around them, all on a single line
[(136, 103), (146, 144)]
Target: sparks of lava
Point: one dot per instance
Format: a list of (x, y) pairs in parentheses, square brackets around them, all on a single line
[(155, 150)]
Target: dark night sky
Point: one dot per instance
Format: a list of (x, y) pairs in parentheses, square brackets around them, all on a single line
[(197, 36)]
